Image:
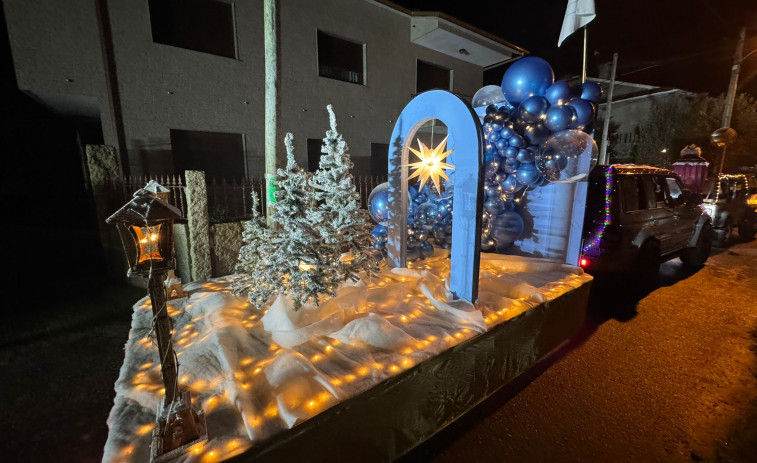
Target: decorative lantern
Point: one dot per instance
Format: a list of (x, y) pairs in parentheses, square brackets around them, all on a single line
[(145, 225)]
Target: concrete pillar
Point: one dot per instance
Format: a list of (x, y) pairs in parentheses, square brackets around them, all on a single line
[(198, 224), (103, 168)]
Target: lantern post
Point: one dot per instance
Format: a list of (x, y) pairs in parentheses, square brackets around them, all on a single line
[(145, 225)]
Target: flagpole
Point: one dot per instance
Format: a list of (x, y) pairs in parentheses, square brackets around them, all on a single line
[(583, 69)]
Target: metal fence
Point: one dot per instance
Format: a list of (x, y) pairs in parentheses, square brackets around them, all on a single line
[(228, 201)]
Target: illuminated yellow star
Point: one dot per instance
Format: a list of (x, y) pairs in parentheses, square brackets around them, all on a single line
[(431, 165)]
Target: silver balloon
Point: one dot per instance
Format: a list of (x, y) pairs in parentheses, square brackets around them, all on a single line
[(567, 156), (491, 94)]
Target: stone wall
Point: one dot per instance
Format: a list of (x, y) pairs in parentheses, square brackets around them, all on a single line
[(226, 239)]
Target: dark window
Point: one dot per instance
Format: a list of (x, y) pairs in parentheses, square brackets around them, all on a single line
[(675, 191), (654, 192), (220, 155), (379, 158), (430, 76), (340, 59), (201, 25), (314, 153), (631, 193)]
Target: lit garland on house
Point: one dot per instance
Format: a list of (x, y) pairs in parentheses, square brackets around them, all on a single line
[(594, 243)]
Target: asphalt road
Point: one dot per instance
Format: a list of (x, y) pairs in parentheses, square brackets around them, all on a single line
[(670, 377)]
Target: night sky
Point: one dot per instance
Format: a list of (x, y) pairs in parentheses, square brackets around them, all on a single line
[(687, 44)]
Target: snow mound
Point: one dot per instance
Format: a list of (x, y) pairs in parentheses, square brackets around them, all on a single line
[(258, 372)]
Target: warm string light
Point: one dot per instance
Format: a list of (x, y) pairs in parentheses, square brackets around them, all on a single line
[(594, 243)]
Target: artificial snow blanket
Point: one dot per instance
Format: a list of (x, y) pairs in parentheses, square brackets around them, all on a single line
[(256, 372)]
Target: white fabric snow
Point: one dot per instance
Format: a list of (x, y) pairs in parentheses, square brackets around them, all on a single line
[(258, 372)]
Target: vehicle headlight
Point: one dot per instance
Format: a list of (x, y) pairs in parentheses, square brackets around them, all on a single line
[(708, 209)]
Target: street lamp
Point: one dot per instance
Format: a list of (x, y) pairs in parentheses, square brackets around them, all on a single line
[(145, 225)]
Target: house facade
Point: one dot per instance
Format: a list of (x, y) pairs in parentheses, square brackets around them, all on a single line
[(180, 84)]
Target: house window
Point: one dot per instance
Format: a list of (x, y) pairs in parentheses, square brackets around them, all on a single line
[(314, 153), (200, 25), (341, 59), (219, 155), (430, 76)]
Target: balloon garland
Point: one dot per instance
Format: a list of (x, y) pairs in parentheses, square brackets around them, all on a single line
[(536, 131)]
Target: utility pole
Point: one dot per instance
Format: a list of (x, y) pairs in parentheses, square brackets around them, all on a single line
[(274, 154), (731, 96), (603, 159)]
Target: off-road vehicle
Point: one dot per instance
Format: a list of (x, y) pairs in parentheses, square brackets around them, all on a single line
[(726, 201), (639, 216)]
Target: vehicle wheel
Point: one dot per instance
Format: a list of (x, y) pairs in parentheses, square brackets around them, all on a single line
[(648, 264), (698, 255), (724, 234), (746, 229)]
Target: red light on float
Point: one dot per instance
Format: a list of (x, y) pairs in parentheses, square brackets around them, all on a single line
[(583, 262)]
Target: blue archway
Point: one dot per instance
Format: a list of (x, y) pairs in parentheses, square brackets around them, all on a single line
[(465, 131)]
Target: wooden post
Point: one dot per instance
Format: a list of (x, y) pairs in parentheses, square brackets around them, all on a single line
[(163, 331), (274, 154)]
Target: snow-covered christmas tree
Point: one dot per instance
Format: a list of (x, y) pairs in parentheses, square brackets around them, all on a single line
[(338, 218), (255, 253)]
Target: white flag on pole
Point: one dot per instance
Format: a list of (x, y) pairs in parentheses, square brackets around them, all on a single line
[(578, 14)]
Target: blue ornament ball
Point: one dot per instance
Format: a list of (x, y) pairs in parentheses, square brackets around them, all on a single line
[(591, 91), (525, 155), (527, 77), (558, 93), (511, 152), (426, 249), (494, 206), (506, 228), (559, 117), (527, 174), (378, 202), (532, 109), (413, 253), (584, 113), (535, 134), (516, 141), (511, 185), (428, 213)]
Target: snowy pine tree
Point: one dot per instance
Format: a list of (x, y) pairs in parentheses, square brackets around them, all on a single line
[(302, 261), (254, 254), (338, 219)]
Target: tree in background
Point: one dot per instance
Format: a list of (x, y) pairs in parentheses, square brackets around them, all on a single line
[(339, 221), (682, 120), (743, 151)]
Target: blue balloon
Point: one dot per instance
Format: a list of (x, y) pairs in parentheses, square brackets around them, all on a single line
[(525, 155), (494, 206), (527, 77), (413, 253), (511, 152), (501, 144), (426, 249), (527, 174), (506, 228), (378, 202), (507, 131), (516, 141), (496, 127), (492, 136), (558, 93), (584, 113), (510, 185), (591, 91), (535, 134), (532, 109), (558, 118)]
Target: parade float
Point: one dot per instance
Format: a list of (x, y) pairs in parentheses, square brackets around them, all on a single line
[(338, 339)]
